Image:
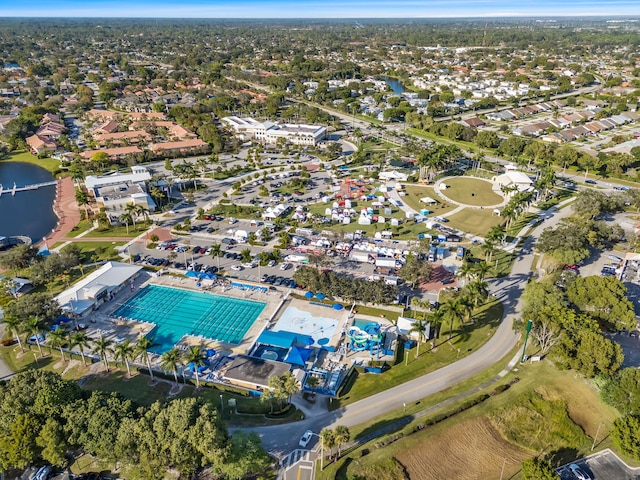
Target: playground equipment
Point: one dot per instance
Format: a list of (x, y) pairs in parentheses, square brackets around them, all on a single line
[(366, 338)]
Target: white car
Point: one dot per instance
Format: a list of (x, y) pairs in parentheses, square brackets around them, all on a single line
[(285, 266), (237, 268), (306, 438), (271, 263), (578, 472)]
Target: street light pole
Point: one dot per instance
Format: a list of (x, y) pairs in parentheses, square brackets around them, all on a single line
[(595, 439)]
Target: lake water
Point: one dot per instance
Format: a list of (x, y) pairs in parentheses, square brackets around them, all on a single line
[(27, 213), (395, 85)]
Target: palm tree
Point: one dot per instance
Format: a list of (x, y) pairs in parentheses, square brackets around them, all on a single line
[(216, 251), (467, 304), (142, 351), (124, 351), (57, 339), (341, 436), (80, 340), (170, 361), (436, 317), (481, 269), (327, 439), (290, 385), (102, 347), (126, 218), (420, 327), (477, 290), (141, 211), (158, 194), (131, 209), (15, 327), (496, 234), (195, 356), (33, 328), (466, 270), (454, 310)]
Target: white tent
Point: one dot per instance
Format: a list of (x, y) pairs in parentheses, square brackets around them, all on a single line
[(428, 200)]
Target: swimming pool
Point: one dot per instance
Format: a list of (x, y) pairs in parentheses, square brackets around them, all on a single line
[(178, 312)]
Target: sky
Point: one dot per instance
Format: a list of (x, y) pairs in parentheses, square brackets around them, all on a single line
[(315, 8)]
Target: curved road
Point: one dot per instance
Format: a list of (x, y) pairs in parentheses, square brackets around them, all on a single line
[(281, 439)]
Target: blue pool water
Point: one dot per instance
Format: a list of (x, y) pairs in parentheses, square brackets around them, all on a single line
[(178, 312)]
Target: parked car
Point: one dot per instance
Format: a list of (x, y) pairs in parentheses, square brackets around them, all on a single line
[(575, 470), (237, 268), (306, 438), (271, 263), (285, 266)]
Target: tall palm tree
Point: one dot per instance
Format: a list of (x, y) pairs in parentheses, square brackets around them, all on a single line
[(33, 328), (436, 317), (141, 211), (170, 361), (142, 351), (103, 347), (216, 251), (131, 209), (481, 269), (419, 327), (126, 218), (341, 435), (124, 351), (15, 327), (57, 339), (454, 310), (196, 357), (478, 291), (80, 340), (327, 439)]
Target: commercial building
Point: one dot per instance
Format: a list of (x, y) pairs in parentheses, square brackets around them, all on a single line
[(98, 287), (270, 132)]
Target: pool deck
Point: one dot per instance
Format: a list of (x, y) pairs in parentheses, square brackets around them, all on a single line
[(272, 300)]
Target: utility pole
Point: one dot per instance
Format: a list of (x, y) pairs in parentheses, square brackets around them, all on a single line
[(595, 439)]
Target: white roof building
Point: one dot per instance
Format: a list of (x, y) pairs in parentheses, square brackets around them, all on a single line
[(511, 178), (138, 175), (270, 132), (96, 288), (393, 175)]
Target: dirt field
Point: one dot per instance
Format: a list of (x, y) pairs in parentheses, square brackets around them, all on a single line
[(472, 450)]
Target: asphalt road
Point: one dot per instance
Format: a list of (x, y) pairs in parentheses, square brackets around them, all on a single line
[(282, 439)]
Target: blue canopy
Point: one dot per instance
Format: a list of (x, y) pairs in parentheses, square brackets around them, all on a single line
[(298, 356), (191, 274), (308, 295), (211, 353), (337, 306), (320, 296)]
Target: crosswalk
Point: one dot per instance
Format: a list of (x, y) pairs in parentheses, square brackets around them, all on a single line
[(294, 457)]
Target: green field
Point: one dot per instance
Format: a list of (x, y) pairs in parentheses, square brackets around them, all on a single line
[(416, 192), (49, 164), (475, 221), (471, 191)]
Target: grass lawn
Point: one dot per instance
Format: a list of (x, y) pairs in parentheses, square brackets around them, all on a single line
[(120, 231), (475, 442), (97, 251), (49, 164), (416, 192), (18, 362), (472, 191), (471, 220), (466, 339)]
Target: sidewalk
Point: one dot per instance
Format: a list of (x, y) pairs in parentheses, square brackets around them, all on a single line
[(66, 209)]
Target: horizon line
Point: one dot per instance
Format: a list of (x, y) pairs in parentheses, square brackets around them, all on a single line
[(386, 17)]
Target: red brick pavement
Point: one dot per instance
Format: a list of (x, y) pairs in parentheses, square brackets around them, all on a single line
[(66, 208)]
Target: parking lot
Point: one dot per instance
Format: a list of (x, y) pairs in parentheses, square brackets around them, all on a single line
[(604, 465)]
